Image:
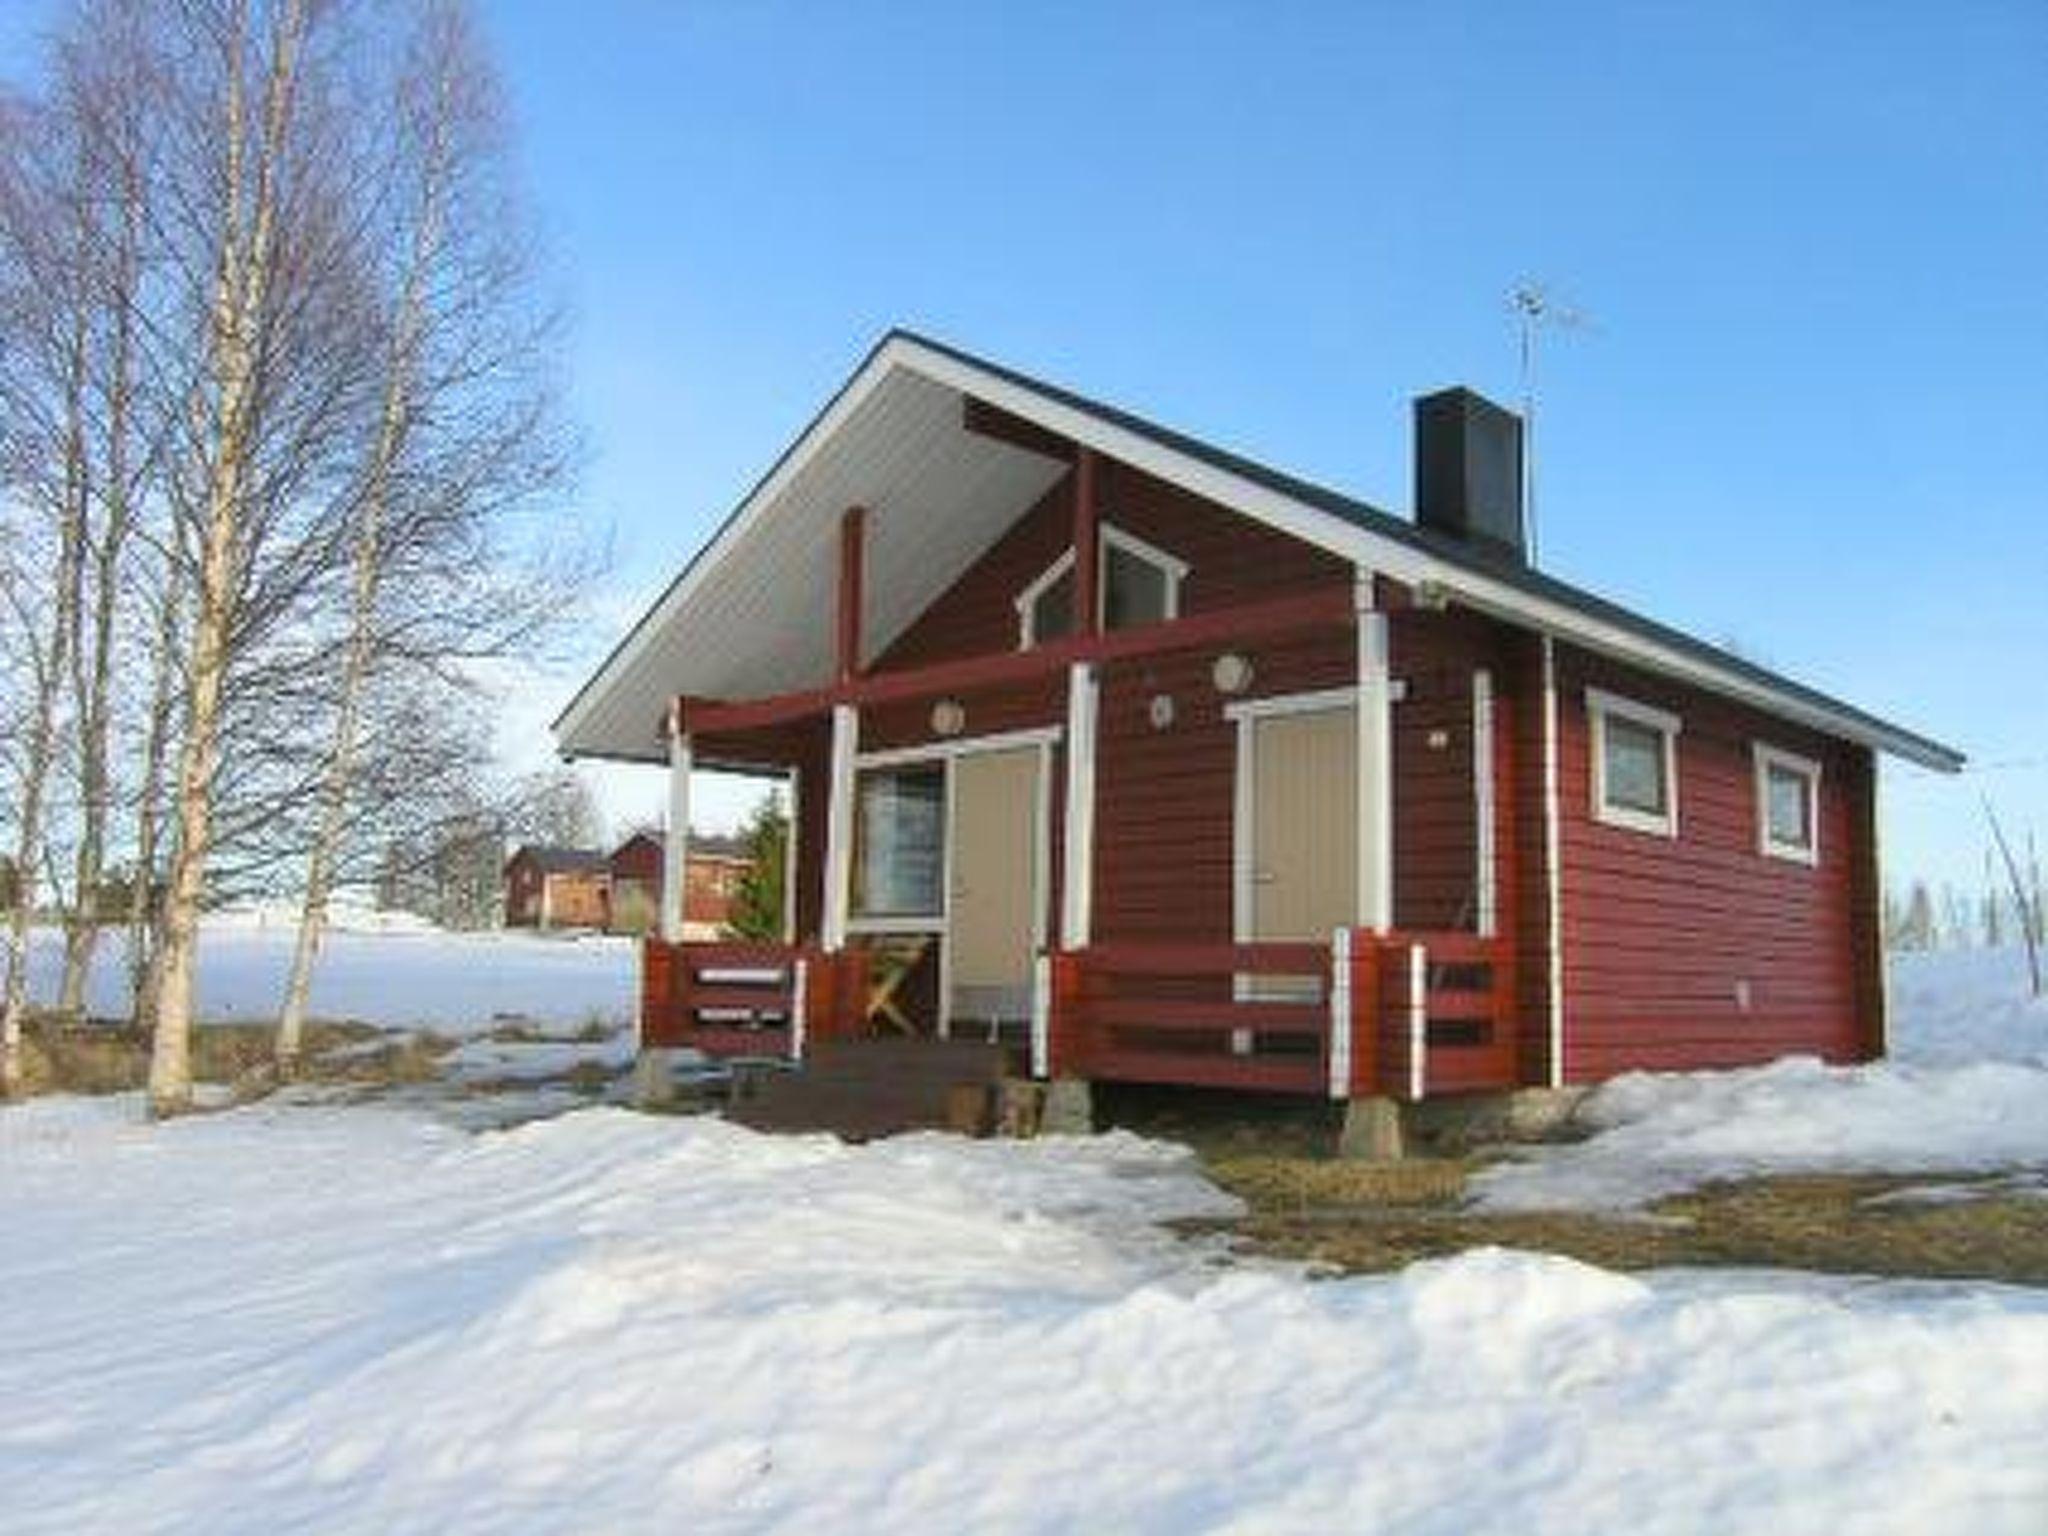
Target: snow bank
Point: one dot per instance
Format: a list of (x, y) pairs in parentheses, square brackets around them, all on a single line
[(357, 1320), (401, 976), (1966, 1089), (1965, 1006)]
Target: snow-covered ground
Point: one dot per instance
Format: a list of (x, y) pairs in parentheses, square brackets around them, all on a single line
[(386, 969), (365, 1318), (1965, 1089), (362, 1320)]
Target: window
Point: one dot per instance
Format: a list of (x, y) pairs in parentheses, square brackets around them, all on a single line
[(1139, 584), (1635, 764), (899, 842), (1787, 805)]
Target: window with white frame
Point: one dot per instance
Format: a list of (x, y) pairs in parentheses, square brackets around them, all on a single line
[(1137, 583), (1635, 764), (899, 845), (1787, 805)]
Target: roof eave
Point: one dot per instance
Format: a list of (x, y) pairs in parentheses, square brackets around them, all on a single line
[(1364, 534)]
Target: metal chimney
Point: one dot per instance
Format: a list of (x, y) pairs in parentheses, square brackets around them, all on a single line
[(1468, 472)]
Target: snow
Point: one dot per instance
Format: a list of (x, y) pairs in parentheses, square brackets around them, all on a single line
[(499, 1061), (1965, 1089), (385, 969), (1967, 1005), (297, 1318)]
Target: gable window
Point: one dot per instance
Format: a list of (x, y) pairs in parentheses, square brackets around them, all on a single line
[(1787, 805), (1635, 764), (1138, 583), (899, 845)]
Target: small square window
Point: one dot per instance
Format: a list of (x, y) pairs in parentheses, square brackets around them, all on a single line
[(1635, 764), (1134, 591), (1787, 805)]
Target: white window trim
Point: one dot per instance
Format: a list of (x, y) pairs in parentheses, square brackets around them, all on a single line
[(870, 923), (1108, 536), (1600, 704), (1769, 757), (960, 746)]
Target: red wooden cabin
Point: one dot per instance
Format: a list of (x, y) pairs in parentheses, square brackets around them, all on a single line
[(716, 867), (1166, 767), (550, 887)]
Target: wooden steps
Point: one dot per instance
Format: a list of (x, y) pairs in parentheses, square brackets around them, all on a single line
[(863, 1089)]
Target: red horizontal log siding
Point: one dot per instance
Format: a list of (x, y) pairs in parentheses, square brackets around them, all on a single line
[(1436, 822), (1231, 560), (1661, 934), (1166, 797)]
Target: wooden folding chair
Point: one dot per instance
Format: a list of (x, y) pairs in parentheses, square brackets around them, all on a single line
[(890, 964)]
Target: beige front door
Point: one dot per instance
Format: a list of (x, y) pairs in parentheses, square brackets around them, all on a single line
[(991, 927), (1300, 848)]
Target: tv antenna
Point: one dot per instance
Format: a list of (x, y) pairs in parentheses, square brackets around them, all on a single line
[(1536, 309)]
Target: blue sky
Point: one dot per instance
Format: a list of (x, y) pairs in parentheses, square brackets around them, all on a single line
[(1812, 420)]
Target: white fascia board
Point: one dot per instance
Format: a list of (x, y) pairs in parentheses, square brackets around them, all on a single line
[(1486, 595)]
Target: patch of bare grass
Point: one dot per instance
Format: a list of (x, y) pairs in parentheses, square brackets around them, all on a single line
[(1362, 1218)]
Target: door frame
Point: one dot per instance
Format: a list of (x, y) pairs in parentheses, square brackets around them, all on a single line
[(1246, 715), (1039, 739)]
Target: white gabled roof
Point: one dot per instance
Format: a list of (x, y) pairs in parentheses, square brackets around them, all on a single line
[(752, 613)]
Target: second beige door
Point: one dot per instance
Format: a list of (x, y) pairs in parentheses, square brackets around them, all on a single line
[(1304, 824)]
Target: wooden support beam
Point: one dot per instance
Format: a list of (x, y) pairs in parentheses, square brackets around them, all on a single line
[(1312, 609), (1087, 547), (852, 555), (985, 420)]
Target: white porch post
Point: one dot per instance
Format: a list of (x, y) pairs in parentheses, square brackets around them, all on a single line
[(1553, 876), (1077, 898), (676, 854), (839, 828), (1375, 761)]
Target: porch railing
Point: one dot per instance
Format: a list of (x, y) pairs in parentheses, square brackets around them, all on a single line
[(738, 999), (1406, 1015), (1205, 1015)]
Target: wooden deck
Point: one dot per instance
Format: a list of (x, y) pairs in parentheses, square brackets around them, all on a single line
[(1407, 1016)]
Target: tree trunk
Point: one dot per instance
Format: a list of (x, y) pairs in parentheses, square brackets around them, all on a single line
[(42, 745), (145, 913), (394, 415), (93, 682), (241, 294)]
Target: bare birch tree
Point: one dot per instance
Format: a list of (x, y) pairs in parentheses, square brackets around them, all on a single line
[(105, 89), (256, 123), (276, 399), (43, 389), (461, 434)]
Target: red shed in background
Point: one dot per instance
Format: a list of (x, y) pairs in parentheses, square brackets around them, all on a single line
[(712, 880)]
